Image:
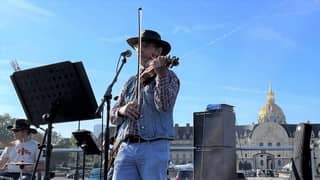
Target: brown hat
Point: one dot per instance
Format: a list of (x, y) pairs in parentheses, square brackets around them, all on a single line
[(151, 36), (22, 124)]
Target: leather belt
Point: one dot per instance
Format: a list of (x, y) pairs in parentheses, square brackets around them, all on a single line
[(138, 139)]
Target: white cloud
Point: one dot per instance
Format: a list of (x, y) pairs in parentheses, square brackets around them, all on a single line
[(181, 29), (28, 7), (198, 27), (14, 12), (269, 34), (227, 34), (202, 27)]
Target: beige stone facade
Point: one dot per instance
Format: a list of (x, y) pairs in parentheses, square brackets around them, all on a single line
[(266, 145), (182, 152)]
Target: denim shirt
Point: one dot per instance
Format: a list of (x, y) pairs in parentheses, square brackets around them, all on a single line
[(152, 123)]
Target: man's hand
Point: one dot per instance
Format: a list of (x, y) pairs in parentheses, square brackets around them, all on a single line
[(131, 110), (160, 66)]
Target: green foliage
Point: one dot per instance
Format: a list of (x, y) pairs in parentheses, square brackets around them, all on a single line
[(5, 134), (38, 137), (73, 141)]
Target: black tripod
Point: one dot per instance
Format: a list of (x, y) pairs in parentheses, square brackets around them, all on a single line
[(87, 143)]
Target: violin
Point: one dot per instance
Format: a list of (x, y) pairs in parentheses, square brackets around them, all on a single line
[(148, 74)]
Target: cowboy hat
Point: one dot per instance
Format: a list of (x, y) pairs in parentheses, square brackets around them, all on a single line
[(151, 36), (22, 124)]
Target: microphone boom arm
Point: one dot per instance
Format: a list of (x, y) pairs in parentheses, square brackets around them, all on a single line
[(108, 94)]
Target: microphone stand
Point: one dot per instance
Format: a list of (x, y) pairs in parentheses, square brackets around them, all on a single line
[(107, 99)]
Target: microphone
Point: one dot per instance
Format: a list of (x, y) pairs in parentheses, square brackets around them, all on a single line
[(126, 53)]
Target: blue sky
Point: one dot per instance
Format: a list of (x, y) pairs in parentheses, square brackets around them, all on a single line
[(230, 51)]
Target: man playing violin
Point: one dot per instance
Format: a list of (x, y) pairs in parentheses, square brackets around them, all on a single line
[(146, 129)]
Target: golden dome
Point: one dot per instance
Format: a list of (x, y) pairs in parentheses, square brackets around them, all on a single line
[(271, 112)]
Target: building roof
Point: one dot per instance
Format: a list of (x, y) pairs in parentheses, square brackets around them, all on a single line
[(185, 132), (244, 130), (291, 129)]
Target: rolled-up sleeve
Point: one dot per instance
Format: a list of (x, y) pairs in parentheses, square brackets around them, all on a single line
[(115, 118), (166, 91)]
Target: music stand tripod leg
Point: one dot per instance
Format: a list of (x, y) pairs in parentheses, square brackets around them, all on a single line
[(41, 146), (84, 164), (49, 117), (21, 174)]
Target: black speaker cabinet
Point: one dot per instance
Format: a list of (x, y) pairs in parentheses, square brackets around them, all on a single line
[(214, 128), (214, 141), (301, 164), (214, 163)]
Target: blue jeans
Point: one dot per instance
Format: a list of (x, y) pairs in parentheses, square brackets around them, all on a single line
[(142, 161), (16, 176)]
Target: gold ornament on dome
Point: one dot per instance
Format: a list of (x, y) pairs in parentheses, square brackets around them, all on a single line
[(271, 112)]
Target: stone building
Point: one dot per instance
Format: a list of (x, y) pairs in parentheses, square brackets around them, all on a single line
[(266, 145), (181, 147)]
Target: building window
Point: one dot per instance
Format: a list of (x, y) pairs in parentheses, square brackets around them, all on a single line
[(278, 143), (279, 162), (279, 155), (269, 144), (245, 155), (261, 144), (261, 162)]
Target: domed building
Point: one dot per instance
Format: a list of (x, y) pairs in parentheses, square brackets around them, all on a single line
[(268, 145), (271, 112), (265, 146)]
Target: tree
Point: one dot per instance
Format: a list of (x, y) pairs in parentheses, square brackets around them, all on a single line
[(5, 134)]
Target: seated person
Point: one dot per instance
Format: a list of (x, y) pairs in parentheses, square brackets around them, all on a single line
[(22, 150)]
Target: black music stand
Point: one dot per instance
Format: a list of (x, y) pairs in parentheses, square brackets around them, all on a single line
[(55, 93), (88, 145)]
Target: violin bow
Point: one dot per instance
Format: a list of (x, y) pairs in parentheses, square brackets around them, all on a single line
[(138, 90)]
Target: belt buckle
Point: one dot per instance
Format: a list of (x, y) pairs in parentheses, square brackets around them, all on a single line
[(137, 139), (133, 139)]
